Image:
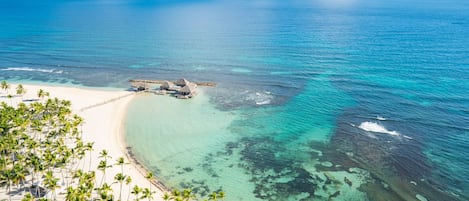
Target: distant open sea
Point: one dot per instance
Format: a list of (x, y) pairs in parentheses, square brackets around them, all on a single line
[(316, 99)]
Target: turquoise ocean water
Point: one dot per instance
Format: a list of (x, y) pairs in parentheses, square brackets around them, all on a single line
[(317, 100)]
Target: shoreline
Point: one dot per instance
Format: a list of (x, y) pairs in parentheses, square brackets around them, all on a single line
[(118, 146), (127, 150), (104, 115), (143, 170)]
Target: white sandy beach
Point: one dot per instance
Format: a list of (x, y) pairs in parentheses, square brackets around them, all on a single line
[(103, 126)]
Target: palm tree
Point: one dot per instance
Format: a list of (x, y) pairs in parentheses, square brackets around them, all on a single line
[(89, 148), (49, 157), (104, 154), (88, 181), (20, 90), (136, 191), (213, 196), (71, 194), (41, 94), (78, 174), (166, 196), (5, 86), (187, 194), (8, 175), (38, 167), (19, 174), (149, 176), (78, 151), (147, 194), (84, 187), (104, 192), (78, 121), (121, 162), (120, 179), (221, 195), (176, 194), (103, 166), (51, 183), (128, 180), (28, 197)]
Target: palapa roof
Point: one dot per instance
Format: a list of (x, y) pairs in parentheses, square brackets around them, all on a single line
[(189, 89), (167, 85), (182, 82)]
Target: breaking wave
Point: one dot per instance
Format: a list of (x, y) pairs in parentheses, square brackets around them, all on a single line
[(33, 70), (374, 127)]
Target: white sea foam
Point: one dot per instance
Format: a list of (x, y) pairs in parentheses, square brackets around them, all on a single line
[(374, 127), (33, 69), (380, 118), (263, 102), (260, 98), (408, 137)]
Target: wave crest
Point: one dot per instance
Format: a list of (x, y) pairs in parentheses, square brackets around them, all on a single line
[(33, 70), (374, 127)]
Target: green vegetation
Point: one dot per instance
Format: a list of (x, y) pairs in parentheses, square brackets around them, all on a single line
[(5, 86), (37, 145), (20, 90), (42, 155), (187, 195), (42, 94)]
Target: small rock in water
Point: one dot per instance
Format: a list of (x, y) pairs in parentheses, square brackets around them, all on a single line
[(337, 193), (354, 170), (327, 164), (324, 187), (385, 185), (414, 183), (347, 181), (420, 197)]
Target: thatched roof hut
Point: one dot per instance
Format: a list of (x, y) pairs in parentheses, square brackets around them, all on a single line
[(167, 85), (189, 89), (139, 86), (182, 82)]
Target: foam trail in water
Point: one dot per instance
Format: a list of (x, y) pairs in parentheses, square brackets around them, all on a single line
[(33, 69), (374, 127), (380, 118), (408, 137)]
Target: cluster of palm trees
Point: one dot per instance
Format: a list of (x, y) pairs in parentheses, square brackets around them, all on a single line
[(20, 90), (36, 145), (86, 187), (42, 154), (188, 195)]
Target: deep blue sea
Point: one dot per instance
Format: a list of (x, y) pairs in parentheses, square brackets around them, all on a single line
[(377, 91)]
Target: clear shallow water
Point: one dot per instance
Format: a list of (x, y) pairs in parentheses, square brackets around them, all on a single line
[(298, 78)]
